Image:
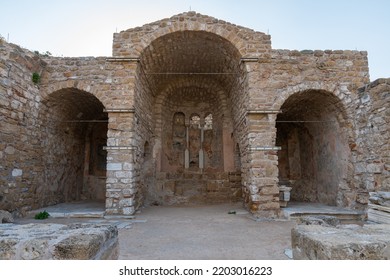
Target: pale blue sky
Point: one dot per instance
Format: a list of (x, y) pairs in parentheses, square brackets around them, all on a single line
[(86, 27)]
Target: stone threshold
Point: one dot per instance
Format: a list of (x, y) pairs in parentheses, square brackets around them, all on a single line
[(297, 210)]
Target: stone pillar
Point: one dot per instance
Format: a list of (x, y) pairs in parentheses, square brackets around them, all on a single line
[(120, 184), (262, 183)]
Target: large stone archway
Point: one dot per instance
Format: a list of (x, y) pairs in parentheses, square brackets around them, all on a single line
[(74, 132), (313, 132), (189, 81)]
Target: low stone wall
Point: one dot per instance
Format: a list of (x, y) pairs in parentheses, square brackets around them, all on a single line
[(58, 242), (348, 242)]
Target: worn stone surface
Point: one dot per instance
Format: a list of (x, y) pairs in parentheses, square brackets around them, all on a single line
[(118, 128), (349, 242), (6, 217), (58, 242), (321, 220), (380, 198), (379, 207)]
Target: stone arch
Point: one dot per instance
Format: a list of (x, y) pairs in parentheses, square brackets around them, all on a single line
[(213, 91), (340, 91), (74, 135), (82, 86), (314, 133), (189, 71), (240, 37)]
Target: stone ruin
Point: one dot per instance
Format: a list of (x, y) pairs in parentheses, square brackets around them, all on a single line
[(325, 238), (192, 110), (58, 242)]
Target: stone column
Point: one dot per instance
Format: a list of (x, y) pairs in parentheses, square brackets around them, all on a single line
[(120, 184), (262, 183)]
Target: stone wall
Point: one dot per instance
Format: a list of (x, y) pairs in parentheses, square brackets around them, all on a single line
[(111, 83), (45, 129), (21, 164), (372, 146), (280, 74)]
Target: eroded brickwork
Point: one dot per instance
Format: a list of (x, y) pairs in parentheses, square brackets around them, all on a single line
[(135, 128)]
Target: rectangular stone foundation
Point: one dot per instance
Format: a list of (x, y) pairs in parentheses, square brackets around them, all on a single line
[(352, 242), (58, 242)]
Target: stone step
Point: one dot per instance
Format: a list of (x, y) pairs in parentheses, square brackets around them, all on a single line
[(298, 210), (343, 217), (78, 209)]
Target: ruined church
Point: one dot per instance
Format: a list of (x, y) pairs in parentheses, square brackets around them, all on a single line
[(192, 110)]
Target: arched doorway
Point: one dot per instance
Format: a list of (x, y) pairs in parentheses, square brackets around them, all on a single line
[(188, 81), (313, 135), (74, 134)]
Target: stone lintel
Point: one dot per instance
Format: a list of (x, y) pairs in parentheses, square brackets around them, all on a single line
[(263, 112), (123, 59), (266, 148), (119, 148), (119, 110), (249, 59)]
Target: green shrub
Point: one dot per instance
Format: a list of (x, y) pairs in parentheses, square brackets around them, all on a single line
[(42, 215), (36, 78)]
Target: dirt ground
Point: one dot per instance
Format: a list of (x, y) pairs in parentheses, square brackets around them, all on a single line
[(204, 232), (196, 232)]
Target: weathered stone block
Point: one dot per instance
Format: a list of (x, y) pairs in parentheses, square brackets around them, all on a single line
[(8, 248), (114, 166), (169, 186), (315, 242), (80, 247), (17, 172), (123, 174), (6, 217), (128, 211), (375, 168), (269, 190), (212, 186), (128, 192), (128, 166), (126, 202), (56, 241)]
